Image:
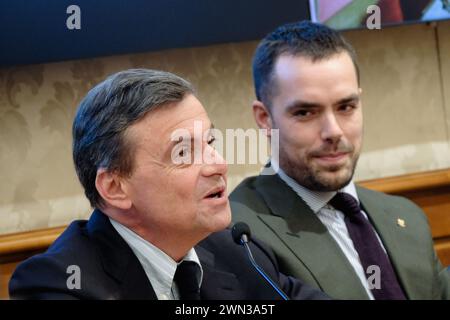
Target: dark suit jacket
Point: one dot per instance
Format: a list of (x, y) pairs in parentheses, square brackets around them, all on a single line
[(110, 270), (305, 249)]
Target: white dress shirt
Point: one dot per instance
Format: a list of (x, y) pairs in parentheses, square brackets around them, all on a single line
[(158, 266), (332, 219)]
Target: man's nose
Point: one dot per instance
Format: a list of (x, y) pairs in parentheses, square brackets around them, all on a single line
[(331, 130), (213, 162)]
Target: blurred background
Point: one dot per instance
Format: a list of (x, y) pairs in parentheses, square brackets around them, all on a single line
[(47, 68)]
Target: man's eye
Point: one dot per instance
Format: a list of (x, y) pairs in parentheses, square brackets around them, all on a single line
[(347, 107), (303, 113)]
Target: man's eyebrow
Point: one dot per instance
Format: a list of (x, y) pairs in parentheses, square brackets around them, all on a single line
[(350, 98), (182, 138), (299, 104)]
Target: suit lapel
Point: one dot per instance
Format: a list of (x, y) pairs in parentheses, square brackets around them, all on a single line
[(308, 239), (216, 284), (406, 258), (118, 260)]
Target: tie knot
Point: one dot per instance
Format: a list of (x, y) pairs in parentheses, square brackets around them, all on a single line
[(186, 278), (345, 203)]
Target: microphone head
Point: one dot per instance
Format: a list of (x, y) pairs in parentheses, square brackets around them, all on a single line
[(238, 230)]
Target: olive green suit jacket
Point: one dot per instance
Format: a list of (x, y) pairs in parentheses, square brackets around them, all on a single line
[(306, 250)]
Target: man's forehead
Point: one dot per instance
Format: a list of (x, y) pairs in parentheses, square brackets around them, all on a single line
[(297, 65), (189, 122), (299, 73), (159, 126)]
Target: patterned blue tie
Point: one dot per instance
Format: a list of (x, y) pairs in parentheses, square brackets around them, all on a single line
[(369, 249)]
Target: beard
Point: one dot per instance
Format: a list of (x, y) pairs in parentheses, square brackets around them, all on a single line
[(314, 177)]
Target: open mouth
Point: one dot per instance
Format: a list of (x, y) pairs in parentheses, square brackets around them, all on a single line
[(216, 197), (217, 194)]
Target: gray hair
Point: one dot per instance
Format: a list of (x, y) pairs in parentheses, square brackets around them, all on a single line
[(107, 111)]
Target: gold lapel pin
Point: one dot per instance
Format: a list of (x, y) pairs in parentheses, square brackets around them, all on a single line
[(401, 222)]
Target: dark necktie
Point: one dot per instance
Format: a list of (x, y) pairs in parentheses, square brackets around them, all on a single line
[(186, 279), (369, 249)]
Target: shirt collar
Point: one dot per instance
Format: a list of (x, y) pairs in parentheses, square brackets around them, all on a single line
[(316, 200), (158, 266)]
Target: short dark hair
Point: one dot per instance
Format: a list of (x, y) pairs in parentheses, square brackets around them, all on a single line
[(107, 111), (306, 39)]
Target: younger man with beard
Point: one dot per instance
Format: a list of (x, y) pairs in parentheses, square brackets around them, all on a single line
[(350, 242)]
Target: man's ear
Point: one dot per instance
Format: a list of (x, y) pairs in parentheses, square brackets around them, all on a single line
[(262, 116), (110, 187)]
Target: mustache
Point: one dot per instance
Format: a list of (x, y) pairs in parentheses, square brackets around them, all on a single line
[(326, 149)]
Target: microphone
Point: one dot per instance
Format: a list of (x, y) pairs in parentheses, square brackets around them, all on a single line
[(241, 235)]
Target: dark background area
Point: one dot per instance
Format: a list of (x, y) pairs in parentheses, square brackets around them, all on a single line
[(34, 31)]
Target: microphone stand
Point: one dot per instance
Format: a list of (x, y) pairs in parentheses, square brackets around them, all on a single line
[(244, 242)]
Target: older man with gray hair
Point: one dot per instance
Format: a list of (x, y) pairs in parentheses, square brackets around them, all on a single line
[(157, 231)]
